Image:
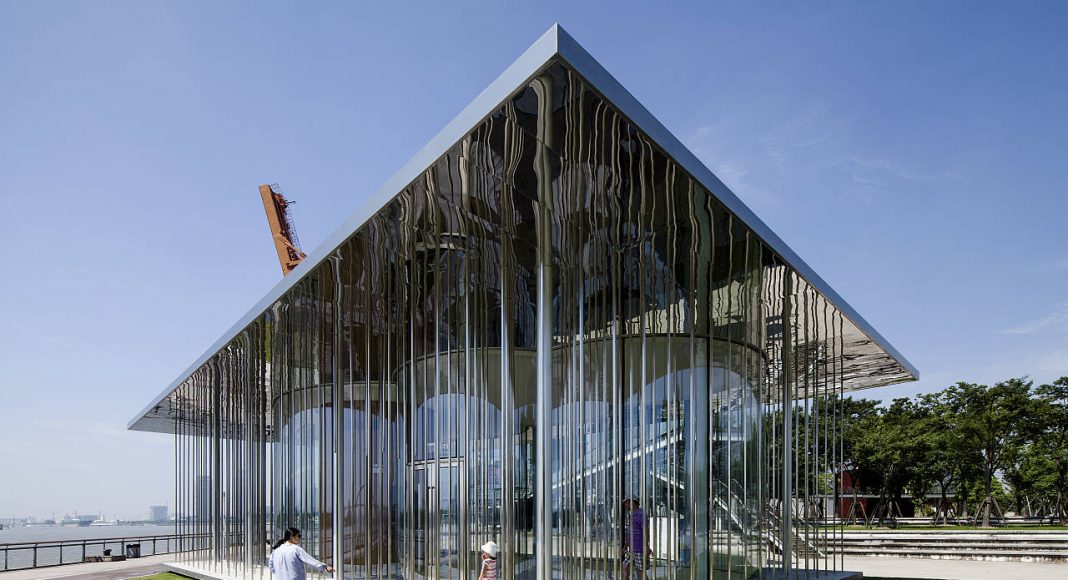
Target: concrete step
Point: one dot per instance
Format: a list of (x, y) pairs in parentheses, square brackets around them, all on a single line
[(1015, 548), (962, 536), (986, 543), (995, 545), (950, 554)]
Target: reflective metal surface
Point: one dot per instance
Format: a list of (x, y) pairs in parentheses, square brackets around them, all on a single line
[(553, 316)]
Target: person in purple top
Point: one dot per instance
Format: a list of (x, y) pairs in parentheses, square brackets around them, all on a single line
[(635, 540)]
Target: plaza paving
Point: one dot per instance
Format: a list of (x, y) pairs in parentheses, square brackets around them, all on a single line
[(871, 567), (886, 567), (94, 570)]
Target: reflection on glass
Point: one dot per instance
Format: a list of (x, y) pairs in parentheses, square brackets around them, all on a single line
[(388, 404)]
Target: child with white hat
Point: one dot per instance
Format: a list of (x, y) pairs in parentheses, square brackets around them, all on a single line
[(489, 561)]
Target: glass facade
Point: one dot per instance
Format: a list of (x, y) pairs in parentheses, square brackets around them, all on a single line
[(555, 316)]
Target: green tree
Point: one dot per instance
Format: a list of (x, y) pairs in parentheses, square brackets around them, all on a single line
[(889, 446), (827, 431), (1032, 478), (1052, 441), (994, 423), (949, 461), (853, 416)]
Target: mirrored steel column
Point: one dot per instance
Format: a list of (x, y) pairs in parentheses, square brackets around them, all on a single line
[(543, 87)]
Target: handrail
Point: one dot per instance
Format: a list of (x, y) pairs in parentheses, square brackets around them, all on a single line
[(170, 543), (110, 540)]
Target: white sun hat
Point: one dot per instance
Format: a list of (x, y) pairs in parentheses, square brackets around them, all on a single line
[(490, 548)]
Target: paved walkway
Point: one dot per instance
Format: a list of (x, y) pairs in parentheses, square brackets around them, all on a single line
[(878, 567), (956, 569), (94, 570)]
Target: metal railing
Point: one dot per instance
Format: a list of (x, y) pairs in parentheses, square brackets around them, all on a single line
[(27, 555)]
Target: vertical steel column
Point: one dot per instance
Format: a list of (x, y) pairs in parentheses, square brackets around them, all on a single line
[(368, 462), (468, 386), (249, 385), (507, 389), (216, 466), (177, 470), (787, 414), (543, 87), (338, 423)]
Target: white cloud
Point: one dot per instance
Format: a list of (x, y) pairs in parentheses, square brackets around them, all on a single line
[(739, 161), (733, 175), (805, 138), (897, 169), (1040, 363), (1056, 322), (1037, 348)]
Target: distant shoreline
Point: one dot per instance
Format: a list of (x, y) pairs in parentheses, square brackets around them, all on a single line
[(19, 534)]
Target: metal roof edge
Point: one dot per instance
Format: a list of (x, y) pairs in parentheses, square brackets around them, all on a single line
[(603, 81), (507, 83)]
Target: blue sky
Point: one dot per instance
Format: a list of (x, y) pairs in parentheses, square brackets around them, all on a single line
[(914, 153)]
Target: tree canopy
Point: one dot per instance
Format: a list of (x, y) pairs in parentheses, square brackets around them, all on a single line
[(983, 449)]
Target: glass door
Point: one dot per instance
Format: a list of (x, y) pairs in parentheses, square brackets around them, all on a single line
[(449, 518), (438, 546)]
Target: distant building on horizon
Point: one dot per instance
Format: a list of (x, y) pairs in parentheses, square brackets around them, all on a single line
[(158, 513), (202, 498)]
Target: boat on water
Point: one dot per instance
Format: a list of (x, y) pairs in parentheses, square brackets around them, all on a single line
[(77, 521), (103, 522)]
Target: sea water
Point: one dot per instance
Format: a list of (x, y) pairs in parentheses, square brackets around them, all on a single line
[(17, 557)]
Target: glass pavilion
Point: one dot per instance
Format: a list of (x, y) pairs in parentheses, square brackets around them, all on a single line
[(553, 307)]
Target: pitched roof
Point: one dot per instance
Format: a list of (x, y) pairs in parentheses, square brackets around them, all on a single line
[(553, 46)]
